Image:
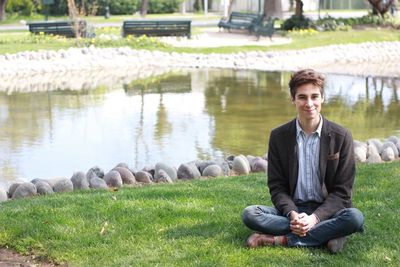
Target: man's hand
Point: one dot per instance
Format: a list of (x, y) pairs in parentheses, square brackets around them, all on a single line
[(301, 223)]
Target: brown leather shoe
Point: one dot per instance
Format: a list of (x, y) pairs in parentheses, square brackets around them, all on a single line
[(260, 240), (336, 245)]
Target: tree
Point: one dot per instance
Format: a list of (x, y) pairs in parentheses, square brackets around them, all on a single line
[(272, 8), (381, 7), (144, 7), (230, 7), (299, 8), (3, 9)]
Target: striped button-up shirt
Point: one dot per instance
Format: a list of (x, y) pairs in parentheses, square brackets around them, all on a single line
[(308, 184)]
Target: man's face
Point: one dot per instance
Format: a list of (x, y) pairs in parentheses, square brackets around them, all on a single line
[(308, 101)]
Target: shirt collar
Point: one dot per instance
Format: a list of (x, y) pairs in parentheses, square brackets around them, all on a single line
[(318, 130)]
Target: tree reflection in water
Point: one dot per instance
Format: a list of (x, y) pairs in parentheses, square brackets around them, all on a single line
[(177, 116)]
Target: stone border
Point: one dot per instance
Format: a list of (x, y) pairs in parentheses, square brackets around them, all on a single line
[(378, 59), (372, 151), (123, 175)]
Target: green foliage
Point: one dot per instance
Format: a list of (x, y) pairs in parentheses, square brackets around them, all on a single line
[(163, 6), (331, 24), (21, 7), (193, 223), (60, 7), (119, 7), (296, 22)]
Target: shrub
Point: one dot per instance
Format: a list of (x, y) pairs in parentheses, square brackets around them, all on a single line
[(118, 7), (22, 7), (297, 22), (331, 24), (163, 6)]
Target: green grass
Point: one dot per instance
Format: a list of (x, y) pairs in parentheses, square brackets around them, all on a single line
[(195, 223), (13, 42)]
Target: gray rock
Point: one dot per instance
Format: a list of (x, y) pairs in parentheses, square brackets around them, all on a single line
[(97, 183), (391, 145), (36, 180), (250, 158), (24, 190), (225, 166), (95, 172), (133, 171), (43, 188), (143, 177), (374, 158), (188, 171), (360, 154), (172, 173), (3, 195), (372, 150), (394, 139), (162, 177), (202, 164), (80, 181), (126, 175), (388, 154), (241, 165), (375, 142), (122, 164), (230, 158), (113, 179), (150, 169), (212, 171), (259, 165), (12, 188), (64, 185), (361, 145)]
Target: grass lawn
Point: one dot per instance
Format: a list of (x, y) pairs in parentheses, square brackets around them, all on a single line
[(17, 41), (195, 223)]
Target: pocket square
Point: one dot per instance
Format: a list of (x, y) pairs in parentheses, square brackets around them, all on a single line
[(333, 156)]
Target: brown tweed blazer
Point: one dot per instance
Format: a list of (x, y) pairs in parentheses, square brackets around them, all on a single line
[(337, 168)]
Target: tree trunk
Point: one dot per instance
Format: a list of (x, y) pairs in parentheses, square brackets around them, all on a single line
[(73, 14), (272, 9), (72, 11), (143, 8), (230, 7), (381, 7), (299, 8), (3, 9)]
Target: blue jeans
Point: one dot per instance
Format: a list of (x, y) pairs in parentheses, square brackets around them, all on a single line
[(269, 220)]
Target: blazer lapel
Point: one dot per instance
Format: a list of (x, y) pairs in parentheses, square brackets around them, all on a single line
[(324, 149), (293, 159)]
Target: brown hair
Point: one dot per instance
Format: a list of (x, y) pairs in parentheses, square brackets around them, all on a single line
[(306, 76)]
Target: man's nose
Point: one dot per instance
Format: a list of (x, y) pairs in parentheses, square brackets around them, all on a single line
[(309, 102)]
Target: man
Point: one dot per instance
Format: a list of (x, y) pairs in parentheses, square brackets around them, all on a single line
[(311, 172)]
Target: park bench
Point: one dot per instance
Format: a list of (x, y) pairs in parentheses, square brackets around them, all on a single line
[(241, 21), (63, 28), (157, 27), (265, 28)]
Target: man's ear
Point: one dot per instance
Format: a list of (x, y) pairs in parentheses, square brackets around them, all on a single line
[(323, 99)]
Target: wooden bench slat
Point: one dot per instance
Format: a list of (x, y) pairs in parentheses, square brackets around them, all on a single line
[(157, 27), (63, 28)]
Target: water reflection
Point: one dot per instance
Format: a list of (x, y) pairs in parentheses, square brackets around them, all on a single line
[(174, 117)]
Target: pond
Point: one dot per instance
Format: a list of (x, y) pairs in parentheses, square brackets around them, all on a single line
[(174, 117)]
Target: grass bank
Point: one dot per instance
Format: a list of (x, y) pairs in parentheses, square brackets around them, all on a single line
[(17, 41), (194, 223)]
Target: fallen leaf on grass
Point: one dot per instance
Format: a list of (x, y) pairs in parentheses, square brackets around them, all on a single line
[(103, 229)]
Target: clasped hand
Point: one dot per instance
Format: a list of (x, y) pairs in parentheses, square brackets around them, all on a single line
[(301, 223)]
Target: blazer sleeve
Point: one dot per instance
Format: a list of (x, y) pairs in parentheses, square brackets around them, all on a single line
[(278, 180), (339, 181)]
